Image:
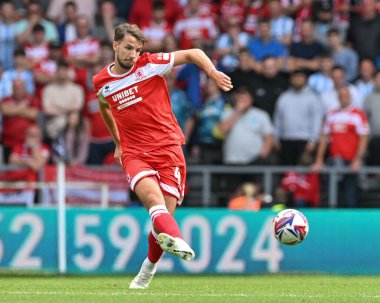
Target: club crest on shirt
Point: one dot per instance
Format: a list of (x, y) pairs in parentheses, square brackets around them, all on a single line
[(140, 74)]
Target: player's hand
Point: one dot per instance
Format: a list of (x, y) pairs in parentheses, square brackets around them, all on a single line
[(221, 79), (117, 155)]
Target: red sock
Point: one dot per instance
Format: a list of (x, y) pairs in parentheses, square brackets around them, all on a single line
[(164, 222), (154, 249)]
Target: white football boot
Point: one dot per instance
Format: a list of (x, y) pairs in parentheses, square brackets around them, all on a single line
[(175, 246), (144, 276)]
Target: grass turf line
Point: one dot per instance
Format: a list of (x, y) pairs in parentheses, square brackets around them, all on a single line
[(183, 289)]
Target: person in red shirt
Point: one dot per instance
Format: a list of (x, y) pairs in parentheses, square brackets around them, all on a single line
[(156, 29), (19, 112), (135, 105), (31, 153), (44, 72), (347, 129), (38, 49), (142, 11), (196, 26), (232, 10), (83, 52), (304, 188)]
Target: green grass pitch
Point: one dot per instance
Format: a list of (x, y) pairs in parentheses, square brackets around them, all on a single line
[(194, 289)]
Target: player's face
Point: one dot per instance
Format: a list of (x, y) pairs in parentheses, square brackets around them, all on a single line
[(127, 51)]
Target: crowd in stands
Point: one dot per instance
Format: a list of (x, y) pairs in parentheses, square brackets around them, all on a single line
[(305, 74)]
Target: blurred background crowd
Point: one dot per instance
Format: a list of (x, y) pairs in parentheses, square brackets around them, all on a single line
[(305, 74)]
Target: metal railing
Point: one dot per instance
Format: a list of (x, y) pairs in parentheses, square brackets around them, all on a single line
[(268, 172), (207, 172)]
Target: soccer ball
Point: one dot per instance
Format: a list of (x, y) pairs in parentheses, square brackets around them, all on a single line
[(290, 227)]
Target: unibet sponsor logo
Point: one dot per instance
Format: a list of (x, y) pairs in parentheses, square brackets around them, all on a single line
[(127, 97)]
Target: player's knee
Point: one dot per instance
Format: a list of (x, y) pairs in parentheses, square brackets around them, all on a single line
[(152, 198)]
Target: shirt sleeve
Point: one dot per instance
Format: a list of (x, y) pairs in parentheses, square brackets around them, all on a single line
[(98, 92), (362, 126), (162, 63), (267, 124)]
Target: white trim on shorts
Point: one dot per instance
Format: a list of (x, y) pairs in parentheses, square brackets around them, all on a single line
[(172, 190), (140, 175)]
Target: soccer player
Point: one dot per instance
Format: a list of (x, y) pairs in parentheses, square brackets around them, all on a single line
[(134, 103)]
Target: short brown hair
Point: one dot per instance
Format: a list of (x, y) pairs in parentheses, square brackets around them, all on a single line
[(131, 29)]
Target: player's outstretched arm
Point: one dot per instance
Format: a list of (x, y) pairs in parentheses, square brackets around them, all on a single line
[(111, 125), (198, 57)]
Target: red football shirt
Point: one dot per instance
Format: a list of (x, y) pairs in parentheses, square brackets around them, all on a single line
[(14, 127), (140, 104), (303, 186), (80, 48), (344, 127)]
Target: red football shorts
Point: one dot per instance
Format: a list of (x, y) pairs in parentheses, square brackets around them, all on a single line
[(167, 164)]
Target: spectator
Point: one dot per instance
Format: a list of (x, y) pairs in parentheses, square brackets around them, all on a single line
[(181, 106), (190, 76), (244, 75), (291, 6), (264, 45), (66, 28), (304, 188), (83, 7), (45, 71), (38, 49), (123, 8), (209, 115), (3, 84), (372, 108), (305, 53), (330, 98), (20, 71), (106, 53), (156, 29), (255, 11), (364, 31), (346, 128), (248, 131), (195, 26), (304, 12), (141, 12), (341, 19), (7, 34), (268, 85), (74, 139), (19, 112), (342, 55), (281, 25), (323, 14), (58, 99), (31, 153), (101, 144), (297, 120), (83, 52), (366, 81), (25, 27), (321, 81), (229, 45), (169, 43), (247, 198), (106, 20), (231, 11)]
